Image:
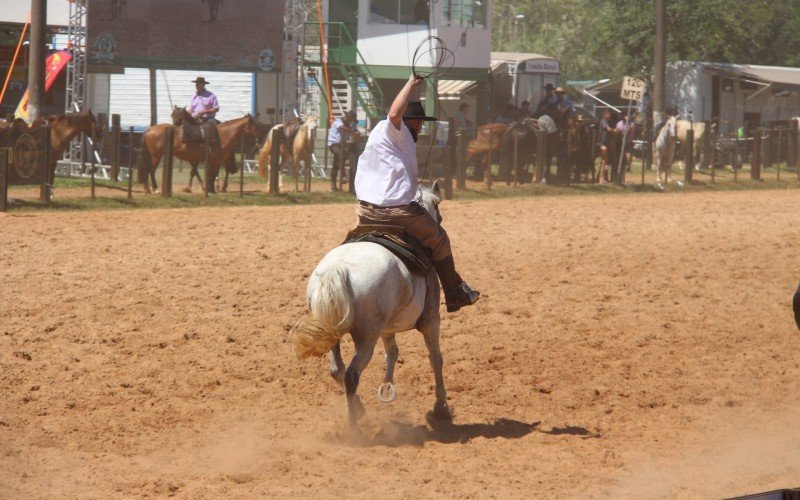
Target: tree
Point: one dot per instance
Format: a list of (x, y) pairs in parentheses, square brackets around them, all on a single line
[(612, 38)]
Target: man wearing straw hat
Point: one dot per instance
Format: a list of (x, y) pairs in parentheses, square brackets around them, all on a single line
[(204, 105), (386, 185)]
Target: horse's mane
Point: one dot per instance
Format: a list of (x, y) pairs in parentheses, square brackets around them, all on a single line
[(426, 194)]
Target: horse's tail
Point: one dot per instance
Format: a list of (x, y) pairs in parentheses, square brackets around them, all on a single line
[(264, 155), (145, 162), (331, 314)]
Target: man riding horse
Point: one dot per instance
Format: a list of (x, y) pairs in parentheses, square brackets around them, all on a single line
[(386, 185), (204, 105)]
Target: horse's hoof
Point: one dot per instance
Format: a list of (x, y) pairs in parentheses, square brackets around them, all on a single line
[(387, 392), (441, 412), (356, 409)]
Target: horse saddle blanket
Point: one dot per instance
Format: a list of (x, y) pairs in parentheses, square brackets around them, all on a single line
[(395, 239), (193, 134)]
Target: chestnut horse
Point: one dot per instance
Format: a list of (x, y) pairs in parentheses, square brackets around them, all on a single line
[(153, 145), (63, 128)]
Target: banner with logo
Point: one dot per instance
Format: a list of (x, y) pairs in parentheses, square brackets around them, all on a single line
[(52, 67)]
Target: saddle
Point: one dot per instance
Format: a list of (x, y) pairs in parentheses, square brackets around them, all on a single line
[(290, 128), (395, 239), (193, 134)]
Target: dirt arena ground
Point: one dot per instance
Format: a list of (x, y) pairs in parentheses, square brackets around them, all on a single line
[(625, 346)]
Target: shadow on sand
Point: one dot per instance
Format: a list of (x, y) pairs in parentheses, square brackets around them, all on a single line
[(398, 433)]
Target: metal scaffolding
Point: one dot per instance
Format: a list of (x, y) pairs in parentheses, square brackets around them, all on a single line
[(76, 70)]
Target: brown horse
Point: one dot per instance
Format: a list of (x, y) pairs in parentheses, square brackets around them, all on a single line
[(180, 115), (63, 128), (302, 147), (153, 145), (488, 138)]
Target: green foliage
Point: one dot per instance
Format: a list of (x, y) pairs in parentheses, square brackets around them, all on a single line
[(612, 38)]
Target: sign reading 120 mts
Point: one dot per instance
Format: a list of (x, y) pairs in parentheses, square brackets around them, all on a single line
[(632, 88)]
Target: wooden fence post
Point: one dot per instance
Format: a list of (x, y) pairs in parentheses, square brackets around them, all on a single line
[(116, 133), (241, 167), (50, 174), (516, 161), (91, 161), (713, 157), (795, 153), (130, 162), (487, 175), (706, 145), (450, 160), (461, 167), (3, 179), (275, 164), (689, 157), (755, 156), (540, 155), (166, 169), (778, 155)]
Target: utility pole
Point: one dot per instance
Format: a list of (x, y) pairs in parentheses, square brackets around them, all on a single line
[(37, 59), (660, 63)]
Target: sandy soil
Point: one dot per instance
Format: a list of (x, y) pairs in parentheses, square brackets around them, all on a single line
[(624, 346)]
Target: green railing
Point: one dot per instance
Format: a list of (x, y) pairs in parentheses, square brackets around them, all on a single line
[(344, 57)]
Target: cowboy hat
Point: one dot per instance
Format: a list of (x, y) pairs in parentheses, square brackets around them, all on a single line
[(548, 86), (559, 90), (416, 111), (200, 79)]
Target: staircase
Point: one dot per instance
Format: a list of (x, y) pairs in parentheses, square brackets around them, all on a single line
[(344, 63)]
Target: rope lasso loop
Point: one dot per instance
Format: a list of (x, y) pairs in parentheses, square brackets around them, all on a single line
[(433, 55)]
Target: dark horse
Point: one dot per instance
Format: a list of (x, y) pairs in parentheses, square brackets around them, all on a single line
[(153, 145), (524, 134)]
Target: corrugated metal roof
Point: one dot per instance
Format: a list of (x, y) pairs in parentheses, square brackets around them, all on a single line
[(780, 76), (454, 89), (516, 56)]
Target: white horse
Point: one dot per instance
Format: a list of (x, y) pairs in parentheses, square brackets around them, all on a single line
[(364, 289), (664, 147), (699, 130)]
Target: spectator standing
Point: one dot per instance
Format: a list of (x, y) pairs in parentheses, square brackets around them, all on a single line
[(462, 122), (547, 103), (605, 131), (338, 137)]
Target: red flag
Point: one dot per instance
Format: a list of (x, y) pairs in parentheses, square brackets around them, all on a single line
[(52, 67)]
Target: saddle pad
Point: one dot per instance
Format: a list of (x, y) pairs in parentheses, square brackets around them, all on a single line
[(404, 246)]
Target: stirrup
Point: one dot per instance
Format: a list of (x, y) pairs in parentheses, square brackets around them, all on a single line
[(465, 296)]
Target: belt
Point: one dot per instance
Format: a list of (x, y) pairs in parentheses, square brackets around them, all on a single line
[(372, 206)]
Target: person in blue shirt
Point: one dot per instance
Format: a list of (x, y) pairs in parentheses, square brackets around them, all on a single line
[(338, 136), (563, 104)]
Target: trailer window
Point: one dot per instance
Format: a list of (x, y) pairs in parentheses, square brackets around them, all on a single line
[(399, 12), (464, 13)]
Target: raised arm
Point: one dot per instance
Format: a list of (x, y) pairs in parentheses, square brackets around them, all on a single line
[(401, 101)]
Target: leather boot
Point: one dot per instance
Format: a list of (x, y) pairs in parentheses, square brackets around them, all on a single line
[(457, 293)]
